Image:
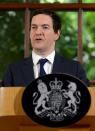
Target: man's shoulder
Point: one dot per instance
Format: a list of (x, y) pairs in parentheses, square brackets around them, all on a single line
[(64, 60), (21, 62)]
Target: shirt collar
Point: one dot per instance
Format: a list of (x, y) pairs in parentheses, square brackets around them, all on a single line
[(36, 57), (50, 57)]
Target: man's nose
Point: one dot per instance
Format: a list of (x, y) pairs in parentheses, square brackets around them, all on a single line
[(39, 30)]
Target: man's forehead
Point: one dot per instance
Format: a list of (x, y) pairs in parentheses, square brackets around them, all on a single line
[(41, 18)]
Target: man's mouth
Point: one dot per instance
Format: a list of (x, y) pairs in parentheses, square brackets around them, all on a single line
[(38, 39)]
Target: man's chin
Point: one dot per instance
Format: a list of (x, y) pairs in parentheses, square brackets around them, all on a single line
[(39, 50)]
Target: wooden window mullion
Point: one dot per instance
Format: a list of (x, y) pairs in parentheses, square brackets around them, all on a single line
[(27, 33), (80, 44)]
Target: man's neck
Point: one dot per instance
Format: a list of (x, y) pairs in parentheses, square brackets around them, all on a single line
[(43, 54)]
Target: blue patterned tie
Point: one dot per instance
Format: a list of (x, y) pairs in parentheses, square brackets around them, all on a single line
[(42, 71)]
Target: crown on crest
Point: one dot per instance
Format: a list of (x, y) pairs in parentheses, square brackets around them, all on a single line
[(56, 84)]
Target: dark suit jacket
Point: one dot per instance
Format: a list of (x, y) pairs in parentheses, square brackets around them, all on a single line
[(21, 73)]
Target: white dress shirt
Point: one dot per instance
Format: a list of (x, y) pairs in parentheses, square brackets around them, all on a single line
[(47, 66)]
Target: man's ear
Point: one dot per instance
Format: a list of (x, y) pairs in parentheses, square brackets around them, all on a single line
[(57, 35), (30, 33)]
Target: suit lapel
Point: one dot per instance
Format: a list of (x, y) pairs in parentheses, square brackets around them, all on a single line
[(58, 66), (28, 69)]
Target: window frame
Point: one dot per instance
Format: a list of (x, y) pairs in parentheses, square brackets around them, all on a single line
[(26, 7)]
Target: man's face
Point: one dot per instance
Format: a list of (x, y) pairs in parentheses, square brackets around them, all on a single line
[(42, 34)]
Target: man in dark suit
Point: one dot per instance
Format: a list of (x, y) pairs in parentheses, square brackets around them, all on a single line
[(44, 32)]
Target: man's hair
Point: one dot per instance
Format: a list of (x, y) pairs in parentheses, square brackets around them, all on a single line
[(55, 18)]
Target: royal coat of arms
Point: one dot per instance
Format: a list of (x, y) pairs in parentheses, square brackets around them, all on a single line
[(56, 102)]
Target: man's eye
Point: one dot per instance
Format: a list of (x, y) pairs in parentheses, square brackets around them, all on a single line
[(33, 27), (45, 27)]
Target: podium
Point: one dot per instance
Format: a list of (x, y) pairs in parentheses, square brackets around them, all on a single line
[(13, 118)]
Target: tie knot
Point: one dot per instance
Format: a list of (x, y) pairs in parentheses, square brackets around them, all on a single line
[(42, 61)]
